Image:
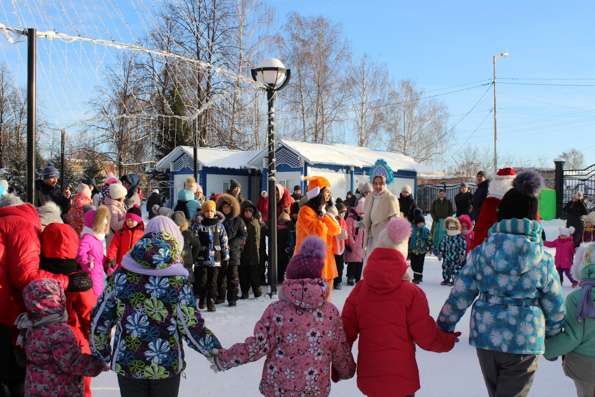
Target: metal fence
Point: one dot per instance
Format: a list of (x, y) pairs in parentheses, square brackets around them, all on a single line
[(579, 181), (426, 194)]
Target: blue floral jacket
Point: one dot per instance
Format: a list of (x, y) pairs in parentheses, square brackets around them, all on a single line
[(519, 299), (453, 249), (152, 314), (420, 242)]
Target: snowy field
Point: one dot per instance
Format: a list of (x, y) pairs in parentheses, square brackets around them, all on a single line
[(450, 374)]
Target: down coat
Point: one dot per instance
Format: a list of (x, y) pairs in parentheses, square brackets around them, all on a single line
[(20, 251), (390, 316), (564, 252), (234, 227), (303, 339)]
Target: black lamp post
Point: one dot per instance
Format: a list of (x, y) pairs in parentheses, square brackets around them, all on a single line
[(273, 76)]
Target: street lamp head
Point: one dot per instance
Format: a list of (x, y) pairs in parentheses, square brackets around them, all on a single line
[(272, 74), (501, 55)]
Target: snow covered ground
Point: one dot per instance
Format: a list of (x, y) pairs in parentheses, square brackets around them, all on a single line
[(451, 374)]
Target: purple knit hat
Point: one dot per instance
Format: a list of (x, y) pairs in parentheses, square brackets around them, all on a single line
[(308, 261)]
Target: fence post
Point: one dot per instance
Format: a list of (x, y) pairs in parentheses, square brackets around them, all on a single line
[(559, 184)]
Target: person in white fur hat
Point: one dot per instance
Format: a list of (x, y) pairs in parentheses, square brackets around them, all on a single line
[(488, 215), (117, 208)]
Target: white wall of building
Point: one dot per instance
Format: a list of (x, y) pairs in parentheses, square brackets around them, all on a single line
[(220, 183), (340, 181), (289, 179)]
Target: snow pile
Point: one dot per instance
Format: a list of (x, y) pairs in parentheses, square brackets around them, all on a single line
[(450, 374)]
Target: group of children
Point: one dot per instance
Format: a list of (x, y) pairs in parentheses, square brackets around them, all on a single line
[(150, 300)]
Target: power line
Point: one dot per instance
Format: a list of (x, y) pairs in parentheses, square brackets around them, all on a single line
[(547, 84)]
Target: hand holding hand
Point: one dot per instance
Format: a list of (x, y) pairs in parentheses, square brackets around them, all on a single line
[(91, 263), (213, 359)]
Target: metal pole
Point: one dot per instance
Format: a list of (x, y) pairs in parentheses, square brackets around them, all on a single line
[(272, 178), (559, 185), (62, 171), (195, 150), (494, 111), (31, 130)]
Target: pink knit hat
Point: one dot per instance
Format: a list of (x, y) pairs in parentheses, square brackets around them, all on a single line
[(308, 261), (396, 232), (89, 217)]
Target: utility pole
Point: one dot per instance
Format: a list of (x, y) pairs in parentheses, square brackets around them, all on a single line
[(494, 58), (31, 103)]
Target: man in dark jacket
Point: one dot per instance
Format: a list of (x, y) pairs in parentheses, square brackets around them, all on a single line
[(297, 193), (250, 260), (48, 190), (575, 210), (480, 194), (406, 203), (236, 235), (464, 200), (235, 190)]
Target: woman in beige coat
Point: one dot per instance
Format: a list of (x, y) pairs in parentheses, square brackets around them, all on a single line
[(381, 205)]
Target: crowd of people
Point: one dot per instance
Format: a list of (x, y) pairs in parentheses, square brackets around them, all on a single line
[(76, 267)]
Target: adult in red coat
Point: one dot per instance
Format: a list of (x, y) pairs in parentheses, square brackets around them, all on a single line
[(391, 315), (19, 265), (59, 248), (488, 215)]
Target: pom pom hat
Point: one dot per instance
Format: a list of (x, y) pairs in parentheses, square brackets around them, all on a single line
[(502, 182), (117, 191), (308, 261), (397, 231), (522, 200), (315, 185)]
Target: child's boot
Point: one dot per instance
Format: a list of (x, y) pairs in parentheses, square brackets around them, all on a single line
[(211, 305)]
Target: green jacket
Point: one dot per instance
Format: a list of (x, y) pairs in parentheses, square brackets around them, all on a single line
[(441, 209), (576, 337)]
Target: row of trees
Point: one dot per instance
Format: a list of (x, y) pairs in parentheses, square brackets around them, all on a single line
[(172, 100)]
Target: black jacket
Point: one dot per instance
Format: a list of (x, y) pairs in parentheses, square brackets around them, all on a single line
[(154, 199), (574, 211), (236, 237), (406, 206), (47, 193), (251, 250), (479, 196), (463, 201)]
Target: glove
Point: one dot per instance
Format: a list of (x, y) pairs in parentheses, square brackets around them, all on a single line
[(214, 360), (79, 282), (456, 335)]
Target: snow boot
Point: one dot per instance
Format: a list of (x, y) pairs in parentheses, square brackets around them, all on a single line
[(202, 304), (219, 301), (211, 306), (351, 282), (232, 304), (245, 295)]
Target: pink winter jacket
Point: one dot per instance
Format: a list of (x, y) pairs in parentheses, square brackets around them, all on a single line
[(355, 240), (564, 251), (91, 257), (302, 336)]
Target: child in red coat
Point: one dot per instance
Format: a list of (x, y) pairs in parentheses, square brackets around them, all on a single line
[(564, 246), (390, 315), (59, 247), (124, 239)]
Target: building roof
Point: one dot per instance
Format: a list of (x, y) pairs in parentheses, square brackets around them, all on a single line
[(353, 156), (210, 157)]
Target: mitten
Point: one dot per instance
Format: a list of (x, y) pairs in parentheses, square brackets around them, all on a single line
[(79, 282)]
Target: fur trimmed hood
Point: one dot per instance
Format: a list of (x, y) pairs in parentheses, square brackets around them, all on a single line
[(227, 198)]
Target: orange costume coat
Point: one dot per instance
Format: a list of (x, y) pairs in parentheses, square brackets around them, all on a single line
[(325, 227)]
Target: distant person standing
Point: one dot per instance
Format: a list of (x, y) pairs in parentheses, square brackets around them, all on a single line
[(49, 190), (297, 193), (406, 203), (441, 209), (480, 194), (464, 200), (575, 210)]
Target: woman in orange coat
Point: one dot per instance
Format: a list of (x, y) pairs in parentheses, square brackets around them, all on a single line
[(314, 221)]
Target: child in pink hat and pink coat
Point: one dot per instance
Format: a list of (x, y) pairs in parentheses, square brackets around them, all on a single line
[(564, 246), (301, 334)]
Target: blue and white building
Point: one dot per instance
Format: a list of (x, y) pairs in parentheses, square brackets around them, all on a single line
[(345, 166)]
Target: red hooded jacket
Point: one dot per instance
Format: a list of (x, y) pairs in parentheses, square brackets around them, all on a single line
[(390, 316), (122, 243), (20, 250)]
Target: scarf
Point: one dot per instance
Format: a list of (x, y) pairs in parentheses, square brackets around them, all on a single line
[(586, 307), (25, 324)]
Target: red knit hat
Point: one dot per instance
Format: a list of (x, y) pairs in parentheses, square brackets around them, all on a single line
[(135, 214), (59, 241), (508, 171)]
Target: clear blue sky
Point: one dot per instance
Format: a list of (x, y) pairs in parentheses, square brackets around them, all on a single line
[(437, 44)]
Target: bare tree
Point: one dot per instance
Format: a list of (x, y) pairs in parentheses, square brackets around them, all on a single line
[(574, 159), (319, 57), (469, 161), (369, 82), (414, 126)]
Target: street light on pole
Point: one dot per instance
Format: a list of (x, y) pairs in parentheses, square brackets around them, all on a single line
[(273, 76), (494, 59)]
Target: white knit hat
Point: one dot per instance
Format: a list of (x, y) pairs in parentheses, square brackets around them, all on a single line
[(84, 190), (585, 255), (566, 231), (117, 191)]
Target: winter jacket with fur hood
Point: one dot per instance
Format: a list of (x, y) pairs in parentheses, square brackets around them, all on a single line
[(303, 339), (251, 250), (20, 250), (234, 227), (390, 316)]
